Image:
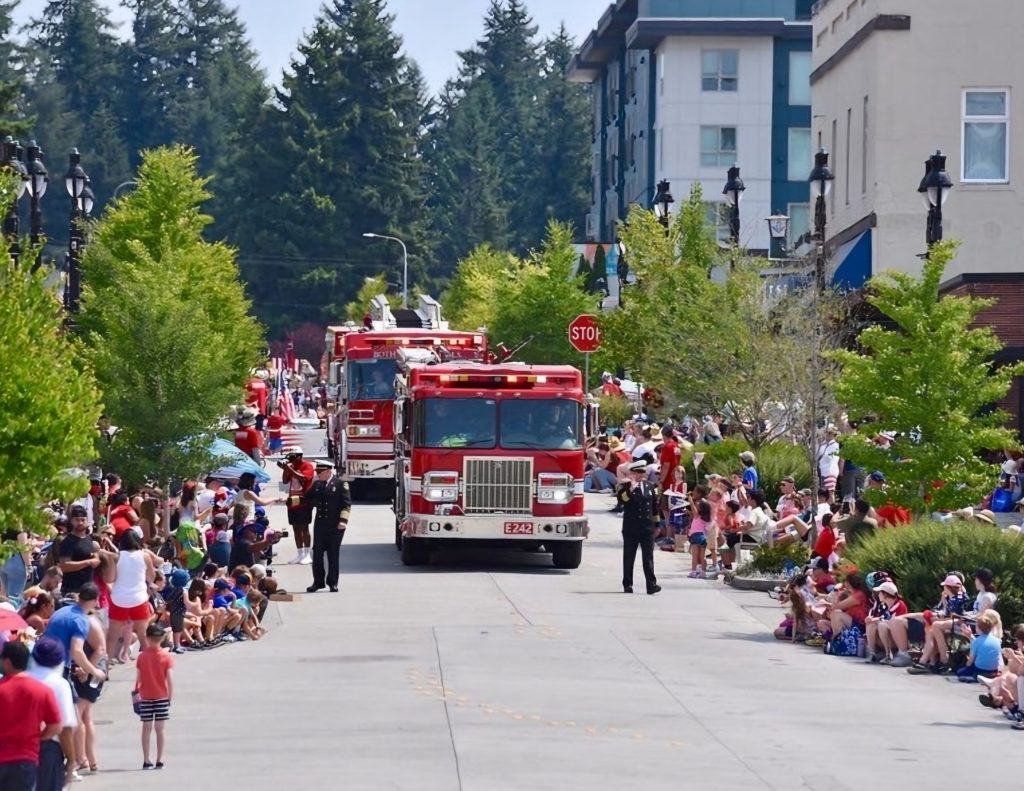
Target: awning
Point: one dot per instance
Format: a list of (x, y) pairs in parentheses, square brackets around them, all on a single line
[(852, 263)]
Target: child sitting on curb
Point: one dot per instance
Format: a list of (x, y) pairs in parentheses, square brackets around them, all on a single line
[(985, 654)]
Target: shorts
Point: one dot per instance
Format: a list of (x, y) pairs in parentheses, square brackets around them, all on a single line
[(301, 516), (83, 691), (177, 621), (139, 612), (698, 539), (828, 482), (154, 710), (275, 444), (915, 630)]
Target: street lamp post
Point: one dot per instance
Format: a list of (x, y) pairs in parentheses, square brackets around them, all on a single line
[(733, 193), (621, 267), (12, 159), (405, 264), (935, 188), (820, 182), (778, 231), (37, 181), (663, 201), (75, 181)]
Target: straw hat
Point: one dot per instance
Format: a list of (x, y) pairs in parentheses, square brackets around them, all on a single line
[(615, 445)]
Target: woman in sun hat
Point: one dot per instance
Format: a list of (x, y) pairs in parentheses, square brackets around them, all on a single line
[(888, 605), (938, 621)]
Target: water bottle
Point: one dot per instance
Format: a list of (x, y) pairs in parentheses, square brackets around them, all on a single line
[(95, 682), (862, 647)]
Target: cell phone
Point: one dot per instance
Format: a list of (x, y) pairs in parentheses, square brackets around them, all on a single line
[(845, 509)]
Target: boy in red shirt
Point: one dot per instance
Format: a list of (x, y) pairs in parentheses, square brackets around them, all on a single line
[(153, 682), (30, 715)]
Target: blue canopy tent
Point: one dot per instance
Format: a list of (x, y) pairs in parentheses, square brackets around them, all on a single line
[(234, 462)]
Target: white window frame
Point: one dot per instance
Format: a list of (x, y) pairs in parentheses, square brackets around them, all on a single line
[(722, 229), (719, 75), (808, 56), (983, 119), (794, 232), (802, 174), (730, 158)]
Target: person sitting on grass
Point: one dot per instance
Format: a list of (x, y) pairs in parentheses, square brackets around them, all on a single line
[(889, 605), (985, 653)]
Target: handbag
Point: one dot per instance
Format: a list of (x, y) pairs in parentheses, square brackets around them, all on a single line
[(136, 701)]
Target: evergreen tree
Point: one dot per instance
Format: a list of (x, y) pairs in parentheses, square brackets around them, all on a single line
[(13, 113), (341, 143), (164, 323)]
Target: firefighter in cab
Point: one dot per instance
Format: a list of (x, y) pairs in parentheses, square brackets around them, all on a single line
[(639, 511)]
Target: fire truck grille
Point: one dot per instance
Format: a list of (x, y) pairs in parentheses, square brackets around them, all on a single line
[(498, 485)]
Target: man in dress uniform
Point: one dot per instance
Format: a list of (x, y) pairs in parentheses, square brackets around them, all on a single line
[(330, 497), (638, 500)]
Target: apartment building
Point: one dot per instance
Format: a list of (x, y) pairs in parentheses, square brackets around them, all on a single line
[(684, 89), (891, 84)]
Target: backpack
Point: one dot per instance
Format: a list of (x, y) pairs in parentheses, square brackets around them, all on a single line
[(846, 643)]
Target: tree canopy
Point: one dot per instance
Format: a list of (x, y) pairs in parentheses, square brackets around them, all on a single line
[(165, 323)]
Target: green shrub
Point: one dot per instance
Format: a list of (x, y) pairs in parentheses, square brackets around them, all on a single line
[(613, 411), (775, 461), (920, 555), (772, 559)]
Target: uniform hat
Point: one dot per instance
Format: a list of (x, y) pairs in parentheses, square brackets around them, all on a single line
[(294, 450), (324, 464), (637, 466)]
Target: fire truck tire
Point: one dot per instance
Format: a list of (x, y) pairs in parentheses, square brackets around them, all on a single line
[(415, 551), (567, 554)]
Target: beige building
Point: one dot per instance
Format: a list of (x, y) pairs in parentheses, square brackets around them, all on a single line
[(892, 81)]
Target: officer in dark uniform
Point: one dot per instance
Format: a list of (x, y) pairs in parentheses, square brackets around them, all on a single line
[(638, 500), (333, 503)]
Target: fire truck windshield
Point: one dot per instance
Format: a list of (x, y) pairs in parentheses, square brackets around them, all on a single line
[(543, 424), (371, 380)]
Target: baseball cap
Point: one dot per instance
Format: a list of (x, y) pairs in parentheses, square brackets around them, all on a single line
[(243, 579), (222, 584), (952, 581), (179, 578), (877, 476), (888, 587)]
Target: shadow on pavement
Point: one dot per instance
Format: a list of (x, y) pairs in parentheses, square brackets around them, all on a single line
[(384, 559), (750, 637)]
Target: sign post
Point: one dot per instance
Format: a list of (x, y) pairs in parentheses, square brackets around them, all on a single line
[(585, 337)]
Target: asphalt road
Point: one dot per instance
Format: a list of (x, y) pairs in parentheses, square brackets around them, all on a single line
[(492, 670)]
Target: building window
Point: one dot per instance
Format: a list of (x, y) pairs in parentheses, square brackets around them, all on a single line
[(986, 136), (835, 164), (716, 216), (717, 146), (799, 222), (849, 123), (800, 161), (720, 70), (800, 78), (864, 151)]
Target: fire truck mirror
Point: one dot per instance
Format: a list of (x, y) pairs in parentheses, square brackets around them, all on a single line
[(336, 374), (399, 408)]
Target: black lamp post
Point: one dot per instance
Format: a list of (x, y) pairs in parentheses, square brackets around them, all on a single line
[(733, 193), (935, 188), (621, 268), (663, 200), (37, 181), (12, 159), (820, 181), (75, 181)]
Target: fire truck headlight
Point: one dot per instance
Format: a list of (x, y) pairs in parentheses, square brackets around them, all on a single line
[(441, 487), (364, 431), (554, 487)]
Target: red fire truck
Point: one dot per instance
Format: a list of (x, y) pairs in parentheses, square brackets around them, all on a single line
[(489, 453), (363, 364)]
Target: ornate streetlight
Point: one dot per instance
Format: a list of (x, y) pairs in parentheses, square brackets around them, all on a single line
[(76, 182), (37, 181), (820, 181), (663, 201), (733, 193), (935, 188), (12, 160)]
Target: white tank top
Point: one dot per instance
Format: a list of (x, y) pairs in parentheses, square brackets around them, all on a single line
[(129, 588)]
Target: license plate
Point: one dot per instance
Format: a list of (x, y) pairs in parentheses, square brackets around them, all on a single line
[(519, 528)]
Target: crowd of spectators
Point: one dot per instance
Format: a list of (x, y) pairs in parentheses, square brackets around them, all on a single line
[(118, 578)]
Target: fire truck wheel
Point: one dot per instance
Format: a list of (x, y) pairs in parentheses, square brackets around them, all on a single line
[(415, 551), (567, 554)]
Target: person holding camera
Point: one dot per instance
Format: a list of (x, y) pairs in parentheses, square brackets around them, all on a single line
[(299, 477), (330, 496)]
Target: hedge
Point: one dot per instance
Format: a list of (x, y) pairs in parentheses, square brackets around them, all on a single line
[(920, 555)]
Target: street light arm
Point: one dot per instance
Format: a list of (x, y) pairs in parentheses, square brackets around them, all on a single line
[(405, 263)]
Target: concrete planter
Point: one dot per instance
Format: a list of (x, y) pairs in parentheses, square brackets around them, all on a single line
[(754, 583)]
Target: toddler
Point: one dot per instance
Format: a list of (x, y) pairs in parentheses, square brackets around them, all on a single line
[(697, 535)]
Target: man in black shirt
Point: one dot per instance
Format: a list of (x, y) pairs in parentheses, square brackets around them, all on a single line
[(246, 547), (330, 496), (78, 554), (637, 499)]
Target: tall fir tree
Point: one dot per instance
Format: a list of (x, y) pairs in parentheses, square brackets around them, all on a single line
[(336, 156), (14, 115)]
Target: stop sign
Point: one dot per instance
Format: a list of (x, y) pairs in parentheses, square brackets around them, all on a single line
[(584, 334)]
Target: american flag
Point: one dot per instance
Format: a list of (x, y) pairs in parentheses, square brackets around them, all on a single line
[(284, 396)]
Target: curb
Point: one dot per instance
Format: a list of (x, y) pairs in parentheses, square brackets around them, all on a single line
[(755, 583)]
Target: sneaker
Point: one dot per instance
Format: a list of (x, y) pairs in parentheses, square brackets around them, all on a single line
[(307, 560), (987, 701), (901, 660), (695, 574), (1018, 725), (924, 670), (178, 650), (886, 661), (227, 638), (874, 659)]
